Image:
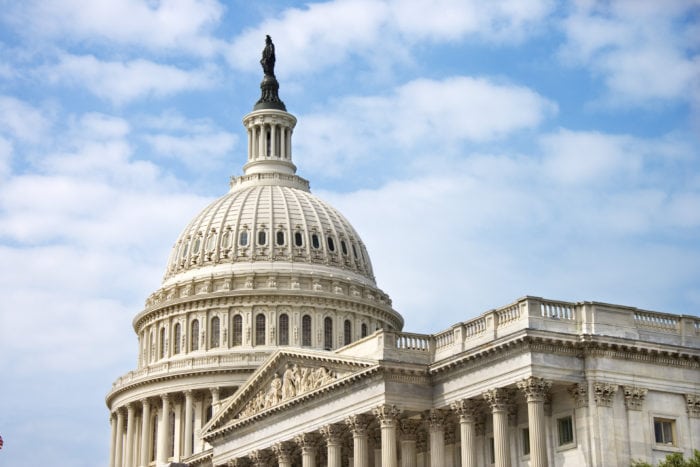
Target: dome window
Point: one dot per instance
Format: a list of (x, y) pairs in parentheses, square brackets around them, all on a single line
[(176, 338), (211, 241), (194, 335), (280, 238), (243, 238), (262, 237), (260, 329), (306, 331), (183, 252), (284, 329), (344, 247), (298, 239), (226, 239), (331, 243), (196, 245), (237, 330), (315, 241), (354, 251), (328, 333)]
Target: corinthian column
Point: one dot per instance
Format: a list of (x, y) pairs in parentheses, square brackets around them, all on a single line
[(332, 434), (130, 433), (409, 436), (113, 424), (536, 390), (188, 423), (283, 451), (145, 432), (468, 411), (308, 443), (436, 426), (359, 424), (388, 419), (119, 446), (499, 400), (163, 428)]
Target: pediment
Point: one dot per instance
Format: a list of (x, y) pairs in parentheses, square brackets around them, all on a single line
[(285, 378)]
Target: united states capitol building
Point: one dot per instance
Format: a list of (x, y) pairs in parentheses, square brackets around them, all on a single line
[(269, 343)]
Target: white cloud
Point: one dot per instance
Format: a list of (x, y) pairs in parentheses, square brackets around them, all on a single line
[(427, 115), (5, 157), (643, 50), (324, 34), (20, 120), (120, 82), (177, 25)]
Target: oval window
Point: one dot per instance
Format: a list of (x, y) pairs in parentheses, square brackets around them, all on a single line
[(211, 242), (331, 243), (262, 237), (354, 251), (243, 238), (196, 245), (298, 239), (280, 238), (314, 241), (343, 247)]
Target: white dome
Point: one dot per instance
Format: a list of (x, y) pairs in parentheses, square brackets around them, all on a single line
[(258, 227)]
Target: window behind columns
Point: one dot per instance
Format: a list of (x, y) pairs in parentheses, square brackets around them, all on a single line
[(260, 329), (347, 332), (284, 329), (328, 333), (194, 335), (162, 343), (171, 434), (176, 338), (364, 330), (306, 331), (237, 330), (215, 332)]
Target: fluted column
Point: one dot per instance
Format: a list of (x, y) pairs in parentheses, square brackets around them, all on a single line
[(130, 433), (145, 432), (163, 427), (467, 410), (214, 400), (436, 427), (359, 425), (187, 448), (499, 400), (197, 447), (332, 435), (118, 445), (283, 451), (113, 437), (308, 443), (408, 436), (535, 390), (388, 421)]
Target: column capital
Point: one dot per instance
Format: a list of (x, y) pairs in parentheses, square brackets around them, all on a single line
[(165, 397), (188, 392), (467, 409), (435, 418), (498, 399), (409, 428), (634, 397), (130, 407), (693, 405), (260, 457), (358, 424), (283, 451), (604, 393), (387, 414), (579, 392), (534, 388), (238, 462), (332, 433), (307, 440)]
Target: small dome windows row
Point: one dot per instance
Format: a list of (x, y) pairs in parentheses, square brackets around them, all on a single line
[(246, 237)]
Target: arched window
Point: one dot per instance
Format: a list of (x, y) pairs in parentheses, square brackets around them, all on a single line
[(284, 329), (151, 347), (347, 332), (237, 330), (260, 329), (306, 331), (194, 335), (161, 353), (364, 330), (176, 338), (214, 334), (328, 333)]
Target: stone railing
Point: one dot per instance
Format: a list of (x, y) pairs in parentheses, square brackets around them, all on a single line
[(535, 314)]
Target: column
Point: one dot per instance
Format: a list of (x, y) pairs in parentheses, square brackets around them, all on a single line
[(375, 440), (359, 424), (187, 451), (467, 410), (260, 458), (214, 401), (197, 425), (119, 446), (499, 400), (436, 427), (163, 428), (692, 402), (408, 438), (145, 432), (113, 425), (634, 402), (177, 430), (130, 433), (308, 443), (333, 437), (388, 421), (283, 143), (604, 396), (250, 144), (535, 390), (261, 140), (283, 451), (449, 445)]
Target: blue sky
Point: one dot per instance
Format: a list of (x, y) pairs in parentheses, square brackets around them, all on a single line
[(483, 150)]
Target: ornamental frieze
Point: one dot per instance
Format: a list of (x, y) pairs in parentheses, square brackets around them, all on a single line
[(295, 381)]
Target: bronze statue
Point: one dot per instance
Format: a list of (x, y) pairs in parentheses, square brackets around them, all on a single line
[(268, 57)]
